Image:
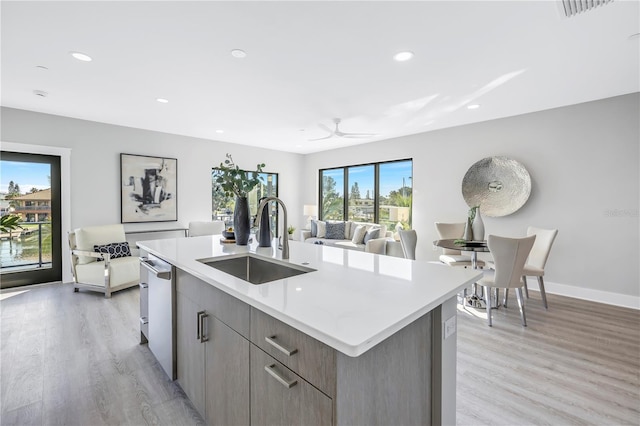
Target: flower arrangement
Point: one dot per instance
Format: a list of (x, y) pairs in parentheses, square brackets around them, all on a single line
[(235, 181)]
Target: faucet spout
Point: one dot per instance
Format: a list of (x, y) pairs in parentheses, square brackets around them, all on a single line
[(285, 242)]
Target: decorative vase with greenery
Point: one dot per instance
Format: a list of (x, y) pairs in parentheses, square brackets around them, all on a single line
[(468, 229), (477, 225), (290, 231), (237, 182)]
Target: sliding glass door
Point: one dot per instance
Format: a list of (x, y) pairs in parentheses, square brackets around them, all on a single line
[(30, 206)]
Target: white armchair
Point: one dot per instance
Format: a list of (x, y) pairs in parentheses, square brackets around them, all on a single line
[(115, 268)]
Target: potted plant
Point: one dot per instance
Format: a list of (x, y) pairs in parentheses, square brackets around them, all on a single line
[(290, 231), (9, 223), (237, 182)]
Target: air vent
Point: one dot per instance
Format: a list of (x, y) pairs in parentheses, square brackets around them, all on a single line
[(574, 7)]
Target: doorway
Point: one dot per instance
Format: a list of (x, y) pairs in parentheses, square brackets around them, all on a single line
[(30, 253)]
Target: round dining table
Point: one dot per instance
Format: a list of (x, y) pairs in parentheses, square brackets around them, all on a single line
[(474, 247)]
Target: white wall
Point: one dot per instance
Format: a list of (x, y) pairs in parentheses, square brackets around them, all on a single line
[(95, 166), (583, 161)]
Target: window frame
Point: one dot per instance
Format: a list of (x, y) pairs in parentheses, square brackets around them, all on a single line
[(346, 190)]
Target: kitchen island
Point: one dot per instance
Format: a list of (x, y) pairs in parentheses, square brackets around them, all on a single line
[(360, 339)]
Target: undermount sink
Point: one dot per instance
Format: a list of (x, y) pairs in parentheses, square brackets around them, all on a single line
[(255, 270)]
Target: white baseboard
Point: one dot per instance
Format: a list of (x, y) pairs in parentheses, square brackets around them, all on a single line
[(600, 296)]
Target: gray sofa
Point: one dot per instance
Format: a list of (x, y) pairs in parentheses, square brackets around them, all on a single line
[(328, 233)]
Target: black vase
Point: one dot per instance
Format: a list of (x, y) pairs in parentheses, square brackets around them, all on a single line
[(264, 235), (241, 221)]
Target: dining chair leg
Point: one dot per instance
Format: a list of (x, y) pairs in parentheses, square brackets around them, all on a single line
[(488, 304), (542, 292), (521, 304), (506, 294), (526, 289)]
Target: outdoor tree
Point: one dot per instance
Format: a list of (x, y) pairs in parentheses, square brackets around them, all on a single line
[(221, 202), (13, 190), (33, 190), (332, 202), (368, 197), (401, 197), (355, 192)]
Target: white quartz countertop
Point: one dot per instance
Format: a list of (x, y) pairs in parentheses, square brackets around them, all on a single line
[(353, 301)]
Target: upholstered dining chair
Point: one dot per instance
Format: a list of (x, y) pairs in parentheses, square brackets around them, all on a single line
[(386, 246), (214, 227), (447, 231), (101, 259), (534, 267), (409, 241), (509, 255)]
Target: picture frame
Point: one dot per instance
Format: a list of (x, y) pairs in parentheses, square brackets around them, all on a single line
[(148, 189)]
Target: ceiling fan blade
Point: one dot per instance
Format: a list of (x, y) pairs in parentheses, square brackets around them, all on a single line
[(357, 135), (323, 127), (319, 139)]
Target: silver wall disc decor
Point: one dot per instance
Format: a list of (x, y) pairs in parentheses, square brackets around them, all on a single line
[(499, 185)]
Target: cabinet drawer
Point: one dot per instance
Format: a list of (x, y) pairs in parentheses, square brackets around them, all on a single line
[(217, 303), (280, 397), (306, 356)]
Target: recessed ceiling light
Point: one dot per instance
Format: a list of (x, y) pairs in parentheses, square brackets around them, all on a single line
[(81, 56), (473, 106), (40, 93), (162, 100), (635, 36), (219, 131), (238, 53), (41, 67), (403, 56)]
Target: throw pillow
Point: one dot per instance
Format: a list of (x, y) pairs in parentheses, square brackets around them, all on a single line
[(116, 250), (322, 229), (358, 235), (372, 234), (347, 230), (335, 230), (314, 228)]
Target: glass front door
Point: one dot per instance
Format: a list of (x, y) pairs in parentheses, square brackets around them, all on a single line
[(30, 206)]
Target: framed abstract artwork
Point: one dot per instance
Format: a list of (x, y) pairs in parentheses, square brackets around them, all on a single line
[(148, 188)]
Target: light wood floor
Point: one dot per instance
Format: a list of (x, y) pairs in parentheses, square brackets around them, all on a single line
[(74, 359)]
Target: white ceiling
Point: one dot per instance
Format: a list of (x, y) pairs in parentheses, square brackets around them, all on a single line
[(308, 62)]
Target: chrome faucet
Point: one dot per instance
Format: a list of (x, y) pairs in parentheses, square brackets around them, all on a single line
[(285, 242)]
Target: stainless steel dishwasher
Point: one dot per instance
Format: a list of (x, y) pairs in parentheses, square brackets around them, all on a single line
[(161, 310)]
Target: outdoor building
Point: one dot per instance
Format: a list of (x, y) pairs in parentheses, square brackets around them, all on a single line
[(33, 207)]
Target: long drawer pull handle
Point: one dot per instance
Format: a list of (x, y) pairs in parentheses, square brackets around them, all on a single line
[(203, 338), (271, 370), (288, 352), (199, 323)]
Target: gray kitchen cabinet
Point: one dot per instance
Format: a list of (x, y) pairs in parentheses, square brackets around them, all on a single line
[(281, 397), (253, 369), (190, 352), (212, 359)]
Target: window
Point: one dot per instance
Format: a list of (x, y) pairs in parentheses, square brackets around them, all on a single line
[(332, 197), (31, 254), (395, 193), (361, 193), (222, 206), (378, 192)]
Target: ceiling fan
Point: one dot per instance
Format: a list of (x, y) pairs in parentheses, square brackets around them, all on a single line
[(340, 134)]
